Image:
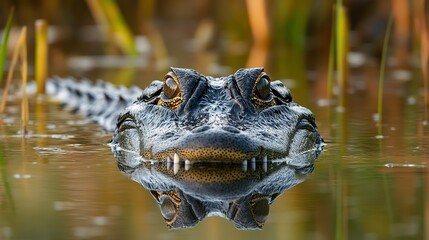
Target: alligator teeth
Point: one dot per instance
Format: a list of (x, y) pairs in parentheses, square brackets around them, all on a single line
[(253, 165), (265, 159), (244, 166), (265, 163), (168, 161), (176, 158), (176, 168), (188, 165)]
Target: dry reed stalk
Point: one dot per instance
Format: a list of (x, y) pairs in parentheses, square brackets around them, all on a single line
[(41, 58), (10, 76), (24, 74), (401, 32), (19, 51), (424, 52), (258, 20)]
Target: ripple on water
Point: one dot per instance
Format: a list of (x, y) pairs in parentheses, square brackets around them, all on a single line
[(64, 205), (405, 165), (53, 136), (22, 176), (49, 150)]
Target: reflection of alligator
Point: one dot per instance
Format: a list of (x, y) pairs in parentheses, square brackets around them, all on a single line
[(241, 195), (190, 119)]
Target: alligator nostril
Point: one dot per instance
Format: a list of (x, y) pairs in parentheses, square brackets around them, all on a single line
[(231, 129), (201, 129)]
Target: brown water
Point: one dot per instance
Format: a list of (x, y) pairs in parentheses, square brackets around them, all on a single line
[(61, 180)]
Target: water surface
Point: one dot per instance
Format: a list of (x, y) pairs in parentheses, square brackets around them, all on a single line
[(62, 181)]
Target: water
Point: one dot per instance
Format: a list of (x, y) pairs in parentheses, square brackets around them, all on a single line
[(61, 181)]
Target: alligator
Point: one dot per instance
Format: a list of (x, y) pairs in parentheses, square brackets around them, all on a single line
[(188, 118)]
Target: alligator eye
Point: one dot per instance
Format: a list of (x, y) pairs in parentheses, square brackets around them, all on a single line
[(171, 89), (262, 96), (171, 96), (168, 208), (260, 210), (262, 88)]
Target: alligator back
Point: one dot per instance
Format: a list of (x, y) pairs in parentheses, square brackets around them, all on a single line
[(100, 101)]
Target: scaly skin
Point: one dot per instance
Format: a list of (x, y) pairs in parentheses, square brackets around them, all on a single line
[(207, 119), (216, 119)]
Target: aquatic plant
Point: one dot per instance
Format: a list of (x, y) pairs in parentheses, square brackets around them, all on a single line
[(338, 61), (19, 51), (22, 45), (41, 55), (259, 26), (423, 36), (381, 78), (4, 43), (331, 67), (109, 18), (338, 52), (341, 43)]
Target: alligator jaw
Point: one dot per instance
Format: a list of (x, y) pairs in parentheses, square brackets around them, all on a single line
[(203, 155)]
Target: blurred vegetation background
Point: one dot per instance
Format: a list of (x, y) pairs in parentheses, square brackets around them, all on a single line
[(133, 42)]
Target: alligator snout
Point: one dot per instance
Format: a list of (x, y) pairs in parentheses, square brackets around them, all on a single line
[(226, 144), (237, 118)]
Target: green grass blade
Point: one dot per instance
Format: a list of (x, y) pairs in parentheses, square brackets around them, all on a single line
[(3, 44), (331, 67), (109, 18), (381, 78), (118, 25), (341, 42)]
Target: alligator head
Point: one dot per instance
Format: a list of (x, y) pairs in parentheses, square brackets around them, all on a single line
[(183, 137), (191, 117)]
